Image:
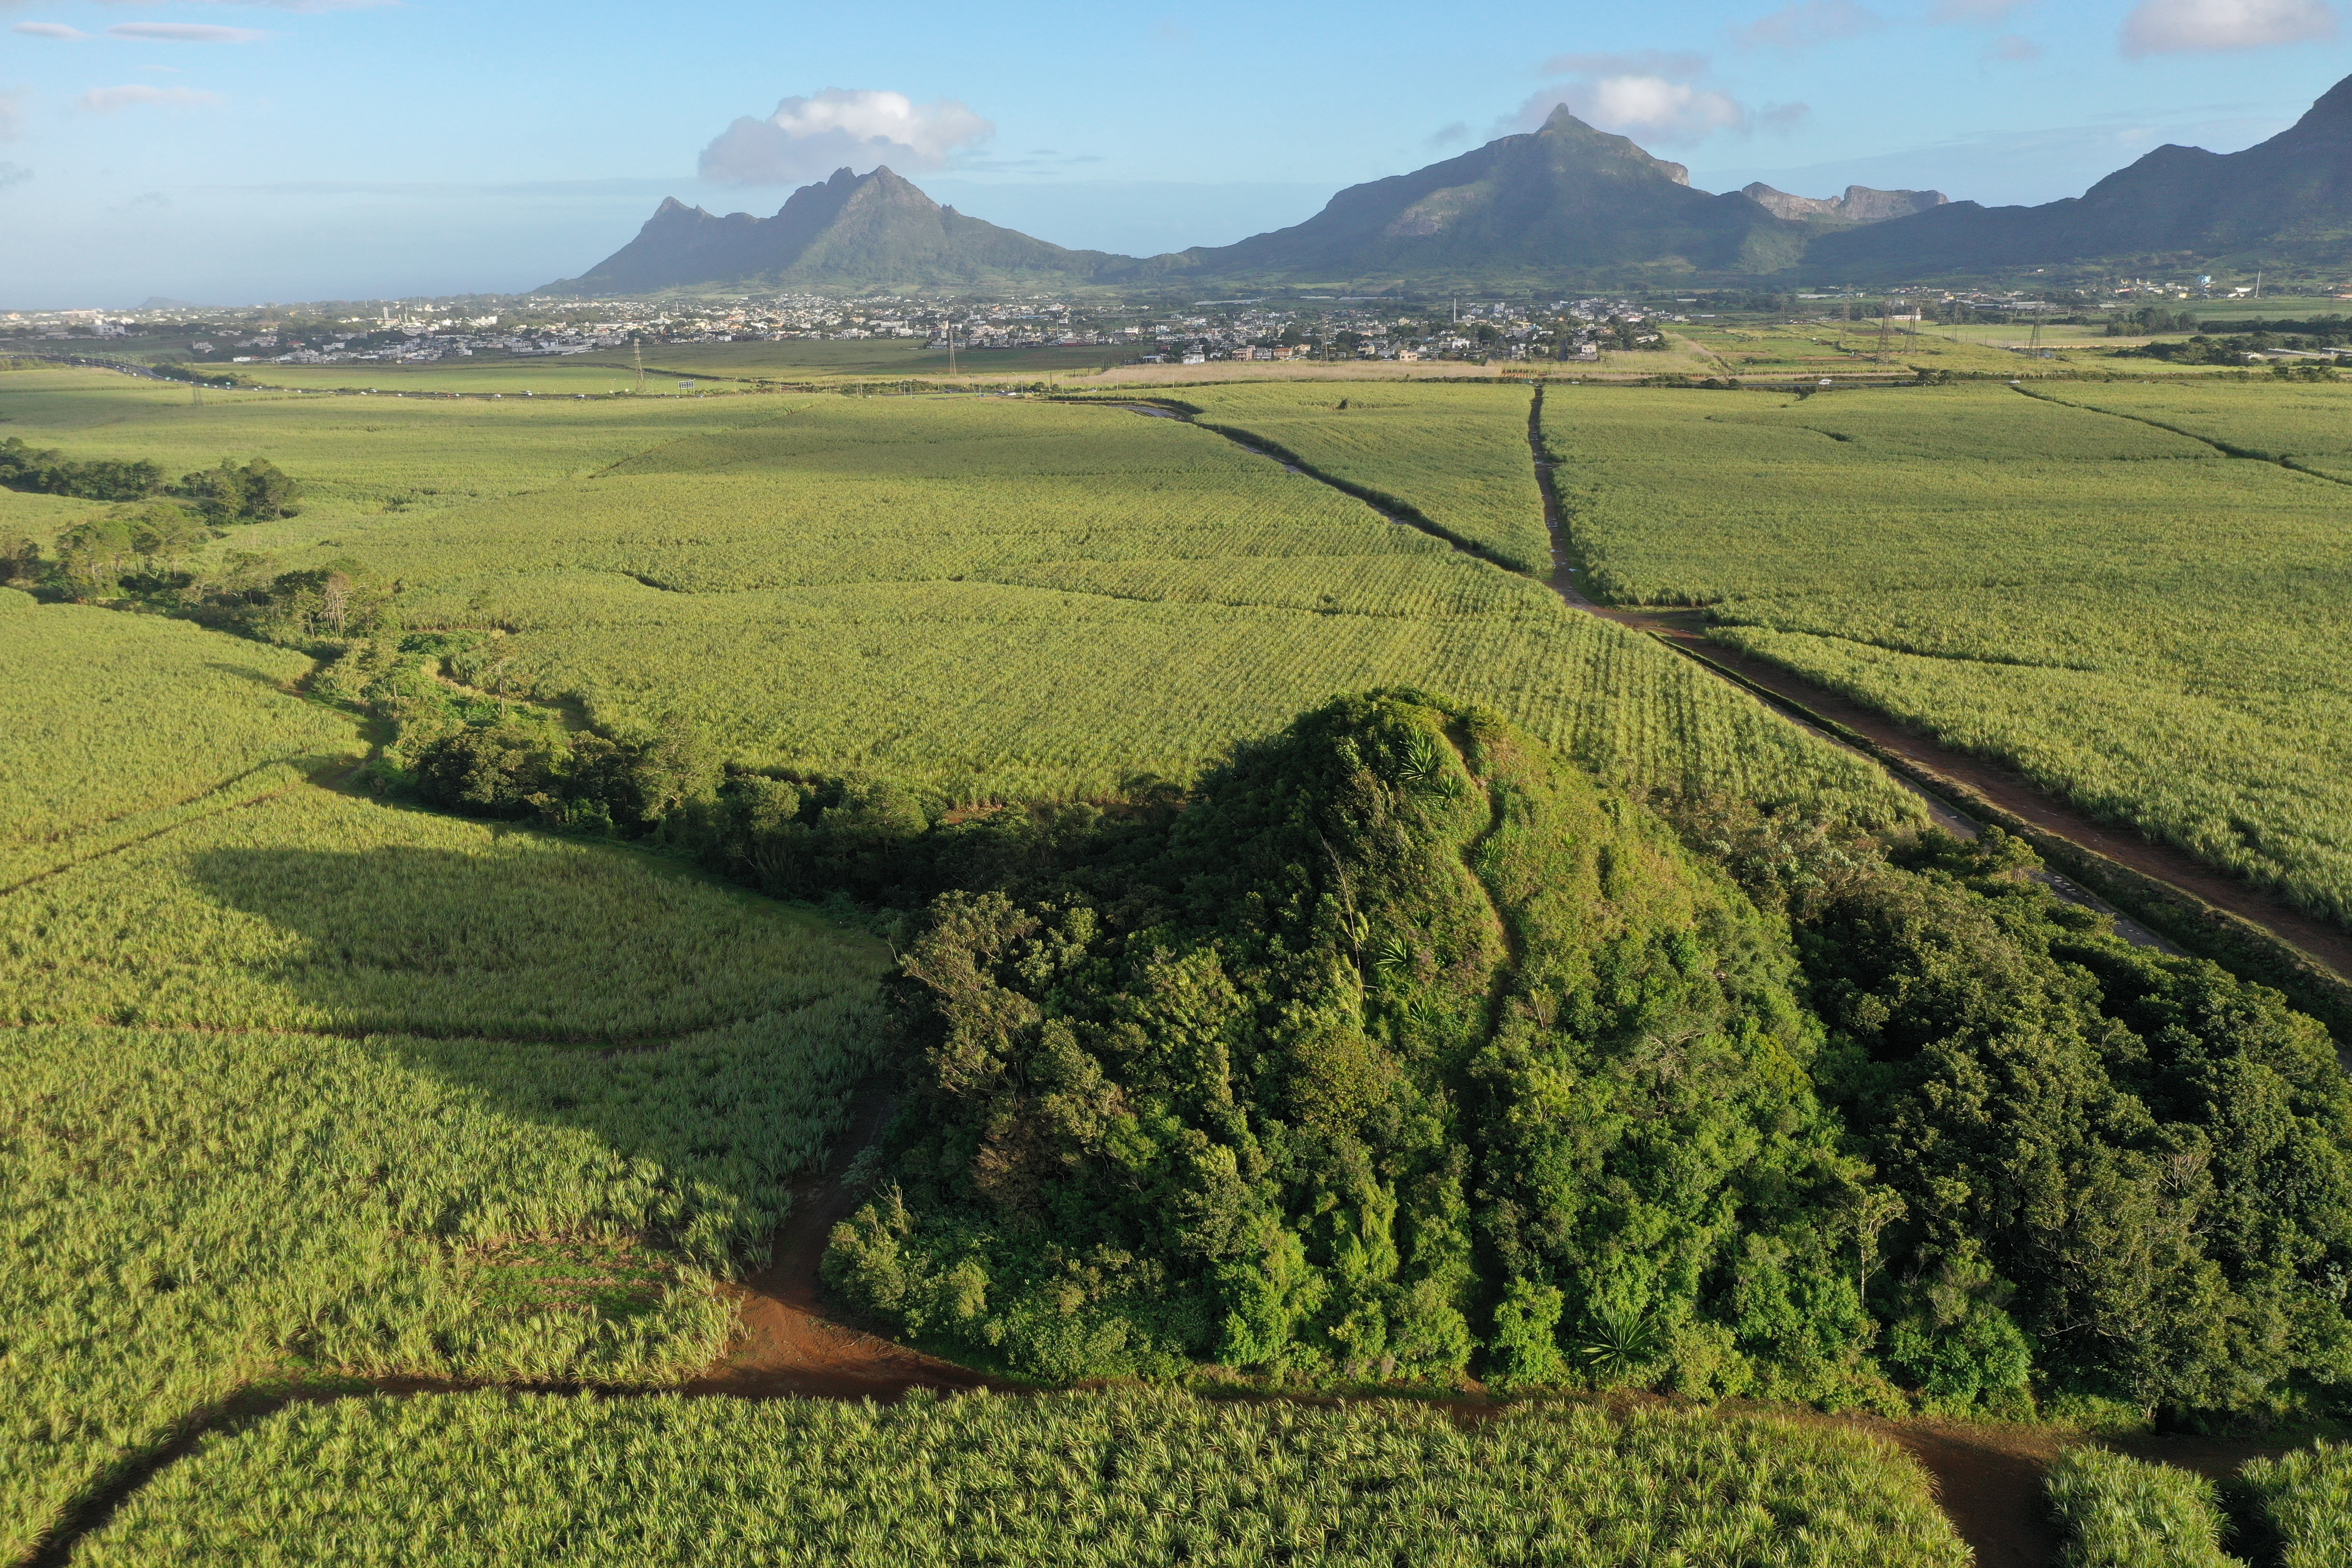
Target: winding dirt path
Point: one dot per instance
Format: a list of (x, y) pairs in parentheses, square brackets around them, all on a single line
[(790, 1341)]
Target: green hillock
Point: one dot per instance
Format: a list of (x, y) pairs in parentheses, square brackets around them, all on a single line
[(1403, 1051)]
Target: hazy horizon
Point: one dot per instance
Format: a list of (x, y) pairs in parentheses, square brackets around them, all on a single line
[(284, 149)]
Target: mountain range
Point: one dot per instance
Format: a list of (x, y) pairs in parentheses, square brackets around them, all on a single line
[(1558, 206)]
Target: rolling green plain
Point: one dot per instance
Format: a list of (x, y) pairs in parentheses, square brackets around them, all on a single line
[(311, 1083), (986, 596)]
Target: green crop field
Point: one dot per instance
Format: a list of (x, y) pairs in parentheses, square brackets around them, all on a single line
[(1128, 1477), (1000, 596), (2136, 622), (1456, 453), (299, 1084), (359, 459), (2306, 423), (91, 759)]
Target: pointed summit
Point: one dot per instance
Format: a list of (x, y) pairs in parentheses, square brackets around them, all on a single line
[(849, 231), (1561, 200)]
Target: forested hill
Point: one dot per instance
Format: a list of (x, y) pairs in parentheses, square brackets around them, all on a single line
[(1405, 1051)]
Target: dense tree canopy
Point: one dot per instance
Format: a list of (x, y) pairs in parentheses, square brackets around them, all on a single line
[(1402, 1050)]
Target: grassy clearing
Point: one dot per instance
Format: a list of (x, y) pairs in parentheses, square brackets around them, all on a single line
[(1458, 455), (994, 596), (91, 759), (1842, 349), (314, 911), (188, 1214), (1125, 1478), (2137, 623), (2121, 1512)]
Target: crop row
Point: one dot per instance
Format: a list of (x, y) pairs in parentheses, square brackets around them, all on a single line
[(1127, 1478)]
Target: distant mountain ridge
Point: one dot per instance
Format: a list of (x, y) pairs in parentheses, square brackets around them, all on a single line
[(872, 229), (1563, 206), (1859, 205), (2289, 198)]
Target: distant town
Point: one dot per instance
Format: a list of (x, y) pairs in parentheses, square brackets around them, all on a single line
[(1329, 327)]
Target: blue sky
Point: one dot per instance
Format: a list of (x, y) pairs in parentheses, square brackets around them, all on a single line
[(238, 151)]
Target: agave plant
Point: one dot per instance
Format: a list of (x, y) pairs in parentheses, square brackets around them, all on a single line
[(1617, 1339)]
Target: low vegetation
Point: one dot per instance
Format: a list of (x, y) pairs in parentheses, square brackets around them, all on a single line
[(2295, 1512), (1455, 456), (2120, 1512), (1125, 1478), (301, 1086), (114, 726), (989, 599)]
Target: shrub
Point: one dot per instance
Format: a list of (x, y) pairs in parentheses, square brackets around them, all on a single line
[(2121, 1512)]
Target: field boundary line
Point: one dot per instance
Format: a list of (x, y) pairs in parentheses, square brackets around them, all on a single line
[(605, 1045), (2283, 459), (2164, 906), (1402, 513), (315, 777), (2317, 985)]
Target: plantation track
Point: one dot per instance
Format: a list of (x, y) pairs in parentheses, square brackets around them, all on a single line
[(791, 1343), (1915, 763), (1921, 763)]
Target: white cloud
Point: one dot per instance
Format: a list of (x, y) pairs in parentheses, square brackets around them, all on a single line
[(1783, 119), (808, 137), (13, 175), (106, 100), (2013, 49), (1801, 24), (2168, 26), (1983, 11), (1651, 96), (56, 30), (186, 33), (1651, 109), (12, 114)]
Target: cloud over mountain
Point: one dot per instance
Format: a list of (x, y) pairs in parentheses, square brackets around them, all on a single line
[(808, 137), (2175, 26)]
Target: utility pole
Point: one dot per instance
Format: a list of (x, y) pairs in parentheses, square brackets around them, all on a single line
[(2258, 282), (951, 347), (1886, 325), (638, 348)]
